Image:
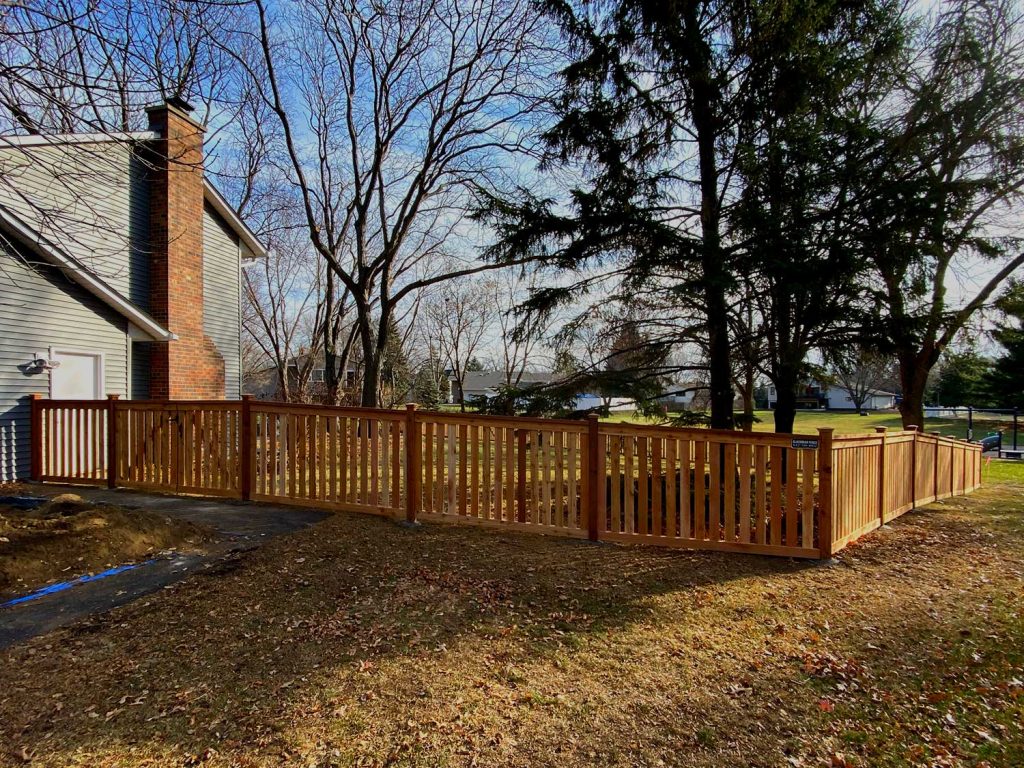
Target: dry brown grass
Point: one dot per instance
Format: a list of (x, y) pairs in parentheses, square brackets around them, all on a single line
[(360, 642)]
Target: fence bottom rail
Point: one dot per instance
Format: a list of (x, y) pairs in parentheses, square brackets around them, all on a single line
[(804, 496)]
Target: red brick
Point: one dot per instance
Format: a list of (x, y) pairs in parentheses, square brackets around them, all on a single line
[(190, 367)]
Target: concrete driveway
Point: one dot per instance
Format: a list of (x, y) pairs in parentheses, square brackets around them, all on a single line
[(241, 527)]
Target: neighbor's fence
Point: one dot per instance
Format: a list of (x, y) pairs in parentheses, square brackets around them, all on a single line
[(789, 495)]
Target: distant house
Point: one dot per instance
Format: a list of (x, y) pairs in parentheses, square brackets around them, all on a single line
[(489, 383), (265, 384), (687, 395), (483, 384), (877, 400), (814, 395), (120, 271)]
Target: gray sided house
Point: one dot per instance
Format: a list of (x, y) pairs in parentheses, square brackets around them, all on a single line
[(488, 383), (120, 272)]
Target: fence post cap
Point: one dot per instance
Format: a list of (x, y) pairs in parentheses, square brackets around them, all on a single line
[(913, 428), (410, 406), (113, 397), (35, 396), (593, 417), (247, 397), (826, 430), (881, 430)]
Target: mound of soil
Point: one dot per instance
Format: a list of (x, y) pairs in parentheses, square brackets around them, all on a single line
[(67, 537)]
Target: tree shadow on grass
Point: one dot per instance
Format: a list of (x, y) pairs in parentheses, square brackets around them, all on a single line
[(359, 626)]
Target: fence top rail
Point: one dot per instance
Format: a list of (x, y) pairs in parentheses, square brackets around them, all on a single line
[(852, 440), (784, 439), (948, 440), (124, 405), (579, 425), (267, 406), (528, 422), (55, 404), (904, 433)]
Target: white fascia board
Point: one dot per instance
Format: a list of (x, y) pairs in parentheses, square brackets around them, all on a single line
[(43, 140), (230, 215), (83, 277)]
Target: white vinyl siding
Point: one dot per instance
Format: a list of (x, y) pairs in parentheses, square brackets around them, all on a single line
[(39, 309), (222, 296), (96, 206)]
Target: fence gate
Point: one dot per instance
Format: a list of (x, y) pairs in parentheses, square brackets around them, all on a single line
[(181, 449)]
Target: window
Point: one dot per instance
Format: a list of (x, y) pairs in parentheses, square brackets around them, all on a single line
[(318, 375)]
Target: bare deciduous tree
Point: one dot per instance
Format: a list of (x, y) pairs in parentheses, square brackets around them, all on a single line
[(522, 335), (78, 66), (393, 117), (283, 310), (950, 186), (457, 318), (859, 372)]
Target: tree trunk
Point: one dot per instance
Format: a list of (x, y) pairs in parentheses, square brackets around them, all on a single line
[(282, 382), (370, 397), (747, 393), (370, 392), (719, 366), (705, 101), (330, 343), (785, 382), (914, 369)]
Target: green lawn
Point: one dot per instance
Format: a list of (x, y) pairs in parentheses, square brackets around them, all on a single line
[(847, 422), (843, 422), (1002, 472), (850, 422)]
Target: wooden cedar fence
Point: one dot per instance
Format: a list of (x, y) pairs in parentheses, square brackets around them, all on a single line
[(788, 495)]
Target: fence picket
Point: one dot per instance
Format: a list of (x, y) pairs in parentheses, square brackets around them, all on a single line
[(691, 488)]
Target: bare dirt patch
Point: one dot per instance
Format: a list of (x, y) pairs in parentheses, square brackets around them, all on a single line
[(68, 537)]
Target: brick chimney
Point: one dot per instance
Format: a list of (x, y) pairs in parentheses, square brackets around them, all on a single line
[(190, 367)]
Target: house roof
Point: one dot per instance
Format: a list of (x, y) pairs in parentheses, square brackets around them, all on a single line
[(211, 194), (56, 256), (301, 359), (48, 249), (494, 379)]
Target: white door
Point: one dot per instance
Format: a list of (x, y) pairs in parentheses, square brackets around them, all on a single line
[(77, 376)]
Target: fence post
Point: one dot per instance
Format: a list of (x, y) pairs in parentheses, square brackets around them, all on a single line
[(594, 481), (913, 467), (413, 462), (112, 440), (521, 476), (825, 492), (935, 469), (246, 464), (881, 475), (36, 437)]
